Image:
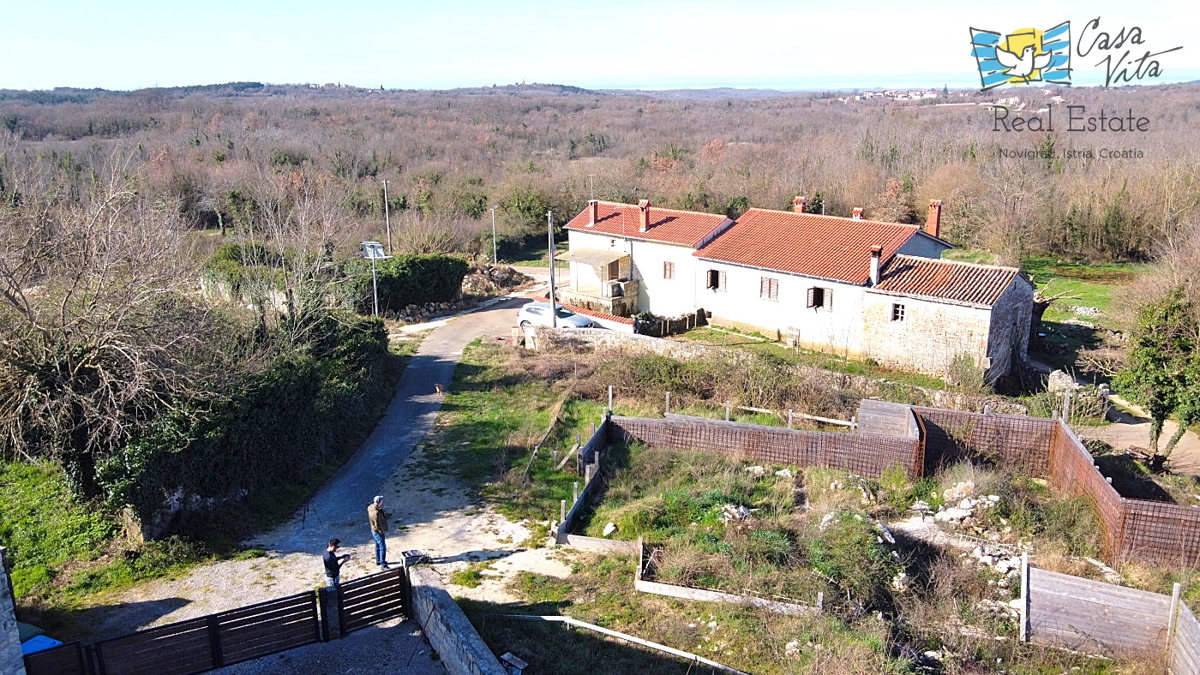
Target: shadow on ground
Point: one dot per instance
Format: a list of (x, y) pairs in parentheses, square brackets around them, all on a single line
[(554, 648)]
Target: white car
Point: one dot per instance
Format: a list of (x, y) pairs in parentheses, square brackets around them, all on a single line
[(538, 314)]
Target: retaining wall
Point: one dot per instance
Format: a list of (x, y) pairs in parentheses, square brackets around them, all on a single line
[(446, 627), (865, 454), (11, 660)]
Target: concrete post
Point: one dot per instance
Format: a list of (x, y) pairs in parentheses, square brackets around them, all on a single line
[(1173, 617), (610, 399), (667, 409), (789, 418), (11, 659), (1025, 597), (728, 409), (574, 492)]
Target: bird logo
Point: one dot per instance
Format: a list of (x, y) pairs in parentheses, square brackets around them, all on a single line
[(1023, 56)]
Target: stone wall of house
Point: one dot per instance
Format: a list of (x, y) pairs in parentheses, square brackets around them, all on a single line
[(11, 660), (1008, 340), (928, 338)]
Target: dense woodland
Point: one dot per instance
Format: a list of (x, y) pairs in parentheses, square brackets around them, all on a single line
[(113, 204)]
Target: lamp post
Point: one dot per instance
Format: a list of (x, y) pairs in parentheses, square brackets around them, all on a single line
[(387, 218), (373, 250), (495, 260)]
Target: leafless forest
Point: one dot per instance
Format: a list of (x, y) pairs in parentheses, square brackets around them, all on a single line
[(248, 156)]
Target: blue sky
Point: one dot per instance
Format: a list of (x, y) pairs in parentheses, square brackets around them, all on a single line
[(619, 44)]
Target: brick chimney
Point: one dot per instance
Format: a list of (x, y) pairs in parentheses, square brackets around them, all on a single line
[(933, 224), (876, 252), (800, 204), (858, 211), (594, 210), (644, 215)]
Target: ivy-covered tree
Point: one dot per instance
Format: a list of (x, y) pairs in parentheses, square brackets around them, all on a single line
[(1164, 368)]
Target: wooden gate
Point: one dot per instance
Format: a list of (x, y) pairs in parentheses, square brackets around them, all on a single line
[(371, 599)]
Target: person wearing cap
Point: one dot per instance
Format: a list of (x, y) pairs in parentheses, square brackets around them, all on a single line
[(378, 518)]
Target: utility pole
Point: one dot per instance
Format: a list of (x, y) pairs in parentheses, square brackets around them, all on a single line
[(550, 239), (495, 260), (387, 218)]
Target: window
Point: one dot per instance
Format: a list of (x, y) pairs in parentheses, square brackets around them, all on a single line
[(897, 312), (716, 280), (821, 298), (668, 270), (768, 289), (614, 270)]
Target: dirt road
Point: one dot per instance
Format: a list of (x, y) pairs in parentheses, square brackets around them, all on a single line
[(433, 513)]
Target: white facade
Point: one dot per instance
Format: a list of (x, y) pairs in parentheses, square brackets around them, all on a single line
[(656, 293)]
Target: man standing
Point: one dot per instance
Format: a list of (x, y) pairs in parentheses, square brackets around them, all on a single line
[(334, 562), (378, 518)]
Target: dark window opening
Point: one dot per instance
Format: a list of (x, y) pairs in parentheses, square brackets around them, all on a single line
[(897, 312)]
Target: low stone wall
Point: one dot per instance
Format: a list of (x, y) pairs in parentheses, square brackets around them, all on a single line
[(446, 627), (702, 595), (11, 660), (597, 545)]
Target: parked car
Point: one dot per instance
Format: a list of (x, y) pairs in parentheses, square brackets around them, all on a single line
[(538, 314)]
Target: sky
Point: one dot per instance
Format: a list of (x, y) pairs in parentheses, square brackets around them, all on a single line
[(131, 44)]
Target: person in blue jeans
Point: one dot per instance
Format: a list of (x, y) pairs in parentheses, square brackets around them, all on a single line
[(378, 518)]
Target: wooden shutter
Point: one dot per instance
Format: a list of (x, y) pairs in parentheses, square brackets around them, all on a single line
[(721, 281), (828, 299), (812, 300)]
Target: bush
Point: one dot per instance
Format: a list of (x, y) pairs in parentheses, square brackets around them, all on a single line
[(403, 280)]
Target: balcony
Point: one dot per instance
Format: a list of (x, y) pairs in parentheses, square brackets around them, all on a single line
[(600, 281)]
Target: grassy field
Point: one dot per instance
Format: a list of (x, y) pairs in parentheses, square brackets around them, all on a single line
[(757, 344)]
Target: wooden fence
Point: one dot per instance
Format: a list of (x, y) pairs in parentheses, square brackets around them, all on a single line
[(1097, 617), (233, 636)]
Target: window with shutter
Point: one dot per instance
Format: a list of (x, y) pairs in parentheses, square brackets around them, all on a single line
[(721, 282), (768, 289), (818, 298), (828, 299)]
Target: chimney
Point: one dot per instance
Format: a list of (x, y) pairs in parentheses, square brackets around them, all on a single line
[(594, 210), (933, 224), (858, 211), (876, 252), (800, 204), (644, 215)]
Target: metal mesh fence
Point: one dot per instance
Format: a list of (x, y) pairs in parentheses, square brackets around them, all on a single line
[(865, 454), (1020, 442)]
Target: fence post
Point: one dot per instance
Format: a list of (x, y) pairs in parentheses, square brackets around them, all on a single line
[(667, 410), (1025, 597), (789, 418), (214, 641), (327, 601), (728, 409), (610, 399), (1173, 618), (574, 492)]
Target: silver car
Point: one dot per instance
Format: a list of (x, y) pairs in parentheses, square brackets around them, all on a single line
[(538, 314)]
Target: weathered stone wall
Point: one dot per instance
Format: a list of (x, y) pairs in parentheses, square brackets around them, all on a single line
[(11, 661), (928, 338), (1008, 339), (446, 627)]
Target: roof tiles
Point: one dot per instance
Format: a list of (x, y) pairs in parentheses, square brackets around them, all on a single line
[(670, 226), (946, 280), (828, 247)]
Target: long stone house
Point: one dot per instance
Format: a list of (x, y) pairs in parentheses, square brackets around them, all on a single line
[(855, 287)]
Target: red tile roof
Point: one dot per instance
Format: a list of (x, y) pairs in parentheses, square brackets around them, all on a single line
[(829, 247), (588, 312), (669, 226), (946, 279)]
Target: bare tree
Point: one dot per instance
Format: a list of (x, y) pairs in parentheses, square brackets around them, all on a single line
[(98, 330)]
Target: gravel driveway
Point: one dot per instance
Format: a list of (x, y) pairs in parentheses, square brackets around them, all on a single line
[(433, 513)]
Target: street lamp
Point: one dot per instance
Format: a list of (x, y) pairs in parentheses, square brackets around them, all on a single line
[(387, 218), (373, 250), (495, 260)]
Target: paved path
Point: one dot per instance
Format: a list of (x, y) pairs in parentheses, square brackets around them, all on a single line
[(1134, 431)]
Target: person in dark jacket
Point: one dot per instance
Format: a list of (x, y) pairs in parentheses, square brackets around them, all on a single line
[(334, 562), (379, 525)]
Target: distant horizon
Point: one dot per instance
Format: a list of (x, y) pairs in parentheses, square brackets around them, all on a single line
[(797, 45), (906, 83)]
